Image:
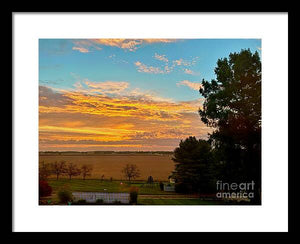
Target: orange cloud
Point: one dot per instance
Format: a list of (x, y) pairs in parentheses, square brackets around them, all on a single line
[(134, 103), (127, 44), (76, 119)]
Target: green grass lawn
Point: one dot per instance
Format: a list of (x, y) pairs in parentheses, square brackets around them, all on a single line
[(95, 185), (177, 202)]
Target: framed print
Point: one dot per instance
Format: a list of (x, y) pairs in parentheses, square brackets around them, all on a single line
[(158, 120)]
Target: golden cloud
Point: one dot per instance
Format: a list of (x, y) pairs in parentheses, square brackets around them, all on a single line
[(90, 120)]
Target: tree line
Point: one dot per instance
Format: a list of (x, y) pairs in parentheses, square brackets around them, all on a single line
[(130, 171), (62, 168)]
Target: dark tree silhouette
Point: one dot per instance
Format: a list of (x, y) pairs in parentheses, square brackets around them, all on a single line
[(102, 177), (150, 180), (58, 168), (131, 171), (233, 107), (193, 166), (72, 170), (44, 171), (86, 170)]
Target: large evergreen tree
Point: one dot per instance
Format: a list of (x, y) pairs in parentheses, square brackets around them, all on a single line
[(233, 107)]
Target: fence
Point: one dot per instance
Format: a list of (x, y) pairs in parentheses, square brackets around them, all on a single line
[(105, 196), (169, 188)]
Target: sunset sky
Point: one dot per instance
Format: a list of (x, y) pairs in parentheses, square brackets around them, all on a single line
[(125, 94)]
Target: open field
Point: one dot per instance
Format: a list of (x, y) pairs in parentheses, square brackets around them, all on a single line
[(110, 164), (159, 166)]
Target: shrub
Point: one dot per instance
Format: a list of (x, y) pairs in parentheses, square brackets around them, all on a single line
[(44, 189), (99, 201), (161, 186), (81, 202), (43, 202), (133, 195), (116, 202), (64, 196)]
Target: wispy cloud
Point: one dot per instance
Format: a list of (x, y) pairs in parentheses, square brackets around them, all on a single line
[(149, 69), (159, 40), (168, 66), (189, 72), (107, 87), (161, 57), (184, 62), (81, 49), (85, 46), (129, 44), (192, 85)]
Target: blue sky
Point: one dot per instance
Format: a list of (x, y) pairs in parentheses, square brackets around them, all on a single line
[(61, 66), (125, 94)]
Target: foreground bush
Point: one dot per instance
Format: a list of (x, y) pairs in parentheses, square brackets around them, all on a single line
[(133, 195), (81, 202), (116, 202), (44, 189), (64, 196), (99, 201)]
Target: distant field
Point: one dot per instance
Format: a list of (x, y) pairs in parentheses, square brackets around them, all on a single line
[(159, 166)]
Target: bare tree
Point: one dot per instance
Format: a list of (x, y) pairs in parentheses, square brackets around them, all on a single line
[(58, 168), (72, 170), (86, 170), (131, 171), (44, 170), (102, 177)]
